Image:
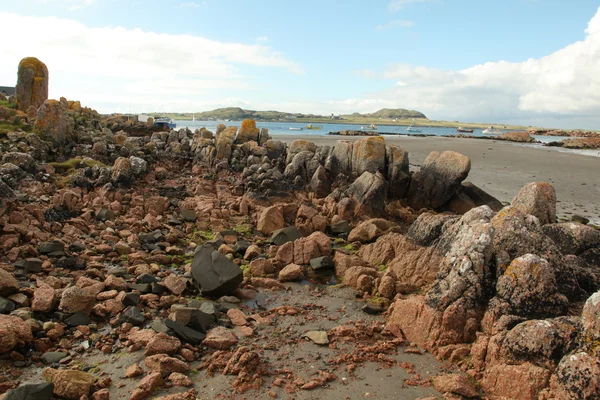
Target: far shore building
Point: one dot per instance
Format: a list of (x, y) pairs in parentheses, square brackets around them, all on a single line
[(7, 91)]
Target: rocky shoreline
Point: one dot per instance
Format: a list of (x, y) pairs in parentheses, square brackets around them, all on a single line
[(175, 254)]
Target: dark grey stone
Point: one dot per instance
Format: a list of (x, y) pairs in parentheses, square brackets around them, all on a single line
[(33, 265), (131, 299), (157, 288), (189, 215), (105, 215), (373, 309), (216, 274), (52, 357), (151, 237), (51, 247), (39, 391), (117, 271), (206, 306), (146, 278), (133, 316), (141, 287), (159, 326), (186, 334), (284, 235), (340, 228), (324, 262), (78, 319), (6, 306), (241, 246)]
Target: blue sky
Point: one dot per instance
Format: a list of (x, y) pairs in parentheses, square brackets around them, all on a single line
[(515, 61)]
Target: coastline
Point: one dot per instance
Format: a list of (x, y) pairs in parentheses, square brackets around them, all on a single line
[(502, 168)]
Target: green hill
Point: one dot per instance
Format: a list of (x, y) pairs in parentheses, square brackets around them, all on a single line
[(237, 114)]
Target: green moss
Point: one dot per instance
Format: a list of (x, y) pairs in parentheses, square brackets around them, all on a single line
[(382, 267), (73, 163), (349, 247), (246, 270)]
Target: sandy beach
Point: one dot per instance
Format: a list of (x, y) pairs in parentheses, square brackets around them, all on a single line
[(502, 168)]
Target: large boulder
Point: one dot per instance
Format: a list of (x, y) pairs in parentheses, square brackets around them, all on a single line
[(36, 391), (573, 238), (438, 180), (248, 132), (428, 227), (480, 197), (54, 123), (122, 172), (537, 199), (369, 230), (368, 155), (369, 192), (32, 83), (224, 142), (320, 184), (75, 299), (22, 160), (523, 381), (398, 174), (530, 287), (590, 321), (216, 274), (298, 146)]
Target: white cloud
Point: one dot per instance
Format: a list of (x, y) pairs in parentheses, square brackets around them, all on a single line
[(563, 85), (122, 66), (399, 23), (397, 5)]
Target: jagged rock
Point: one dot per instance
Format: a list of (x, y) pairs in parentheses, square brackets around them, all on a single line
[(54, 123), (369, 230), (438, 179), (291, 272), (398, 174), (165, 365), (68, 383), (38, 391), (369, 192), (301, 168), (122, 172), (138, 165), (530, 287), (298, 146), (6, 306), (5, 193), (341, 158), (368, 155), (537, 199), (32, 83), (321, 263), (220, 338), (270, 220), (215, 273), (162, 344), (573, 238), (340, 228), (318, 337), (285, 235), (248, 132), (319, 183), (43, 299), (590, 321), (456, 384), (224, 142)]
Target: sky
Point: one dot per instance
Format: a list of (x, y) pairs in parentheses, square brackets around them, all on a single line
[(529, 62)]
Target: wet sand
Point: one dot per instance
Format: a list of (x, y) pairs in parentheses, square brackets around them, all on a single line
[(502, 168)]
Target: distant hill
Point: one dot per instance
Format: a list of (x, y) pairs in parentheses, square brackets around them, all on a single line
[(237, 114)]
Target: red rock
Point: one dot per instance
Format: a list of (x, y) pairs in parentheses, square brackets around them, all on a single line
[(291, 272), (369, 230), (352, 275), (178, 379), (523, 381), (102, 394), (252, 252), (261, 267), (364, 283), (8, 283), (151, 382), (237, 317), (266, 283), (537, 199), (176, 284), (165, 365), (14, 333), (133, 370), (455, 384), (75, 299), (142, 336), (162, 344), (270, 220), (220, 338), (387, 287), (43, 299), (189, 395), (70, 384)]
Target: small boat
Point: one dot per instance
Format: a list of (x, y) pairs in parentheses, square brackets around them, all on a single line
[(311, 126), (491, 131), (193, 117), (373, 126), (295, 129), (411, 129), (459, 129), (164, 122)]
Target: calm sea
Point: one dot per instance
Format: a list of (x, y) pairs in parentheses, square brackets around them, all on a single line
[(283, 128)]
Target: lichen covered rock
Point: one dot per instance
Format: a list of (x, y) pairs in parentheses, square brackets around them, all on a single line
[(32, 83)]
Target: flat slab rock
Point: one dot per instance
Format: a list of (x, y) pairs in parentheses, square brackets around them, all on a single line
[(216, 274), (318, 337)]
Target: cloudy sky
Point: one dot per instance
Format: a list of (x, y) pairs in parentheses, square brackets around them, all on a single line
[(533, 62)]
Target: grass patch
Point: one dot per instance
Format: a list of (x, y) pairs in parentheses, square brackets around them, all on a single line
[(73, 163), (6, 127), (246, 270), (199, 237), (382, 267)]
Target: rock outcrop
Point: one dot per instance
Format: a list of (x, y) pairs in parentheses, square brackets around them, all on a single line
[(32, 83)]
